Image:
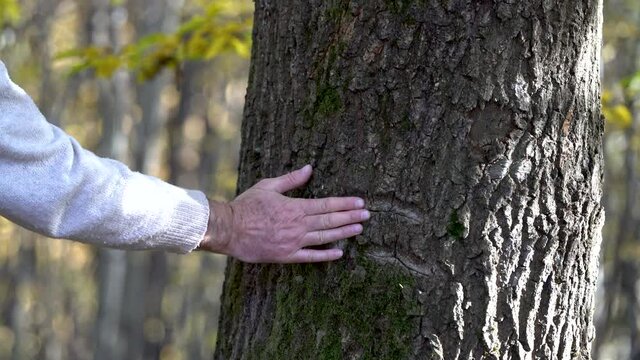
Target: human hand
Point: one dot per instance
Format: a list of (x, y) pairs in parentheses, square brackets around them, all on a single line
[(264, 226)]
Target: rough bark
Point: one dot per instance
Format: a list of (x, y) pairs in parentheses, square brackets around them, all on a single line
[(473, 130)]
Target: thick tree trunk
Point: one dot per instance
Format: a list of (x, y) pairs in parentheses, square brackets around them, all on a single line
[(473, 130)]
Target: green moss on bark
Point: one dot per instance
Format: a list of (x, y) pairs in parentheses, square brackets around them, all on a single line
[(364, 310), (327, 101), (233, 300), (402, 6), (236, 289), (455, 228), (336, 9)]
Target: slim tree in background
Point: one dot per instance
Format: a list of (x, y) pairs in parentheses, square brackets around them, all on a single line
[(113, 105), (473, 130)]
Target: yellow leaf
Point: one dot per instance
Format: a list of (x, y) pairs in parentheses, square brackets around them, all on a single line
[(242, 48), (607, 96), (10, 12), (618, 115), (107, 66)]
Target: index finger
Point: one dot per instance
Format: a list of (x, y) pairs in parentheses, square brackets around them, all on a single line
[(332, 204), (314, 256)]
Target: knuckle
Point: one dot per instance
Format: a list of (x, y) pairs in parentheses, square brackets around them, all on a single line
[(324, 205), (291, 179), (326, 221), (263, 183)]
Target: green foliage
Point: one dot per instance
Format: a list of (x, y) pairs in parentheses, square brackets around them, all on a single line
[(618, 115), (223, 27), (621, 36), (632, 85), (616, 109), (10, 12)]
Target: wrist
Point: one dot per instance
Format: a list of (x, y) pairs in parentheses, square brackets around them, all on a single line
[(218, 236)]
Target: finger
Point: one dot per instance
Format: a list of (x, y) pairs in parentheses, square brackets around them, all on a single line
[(323, 237), (287, 182), (332, 204), (315, 256), (336, 219)]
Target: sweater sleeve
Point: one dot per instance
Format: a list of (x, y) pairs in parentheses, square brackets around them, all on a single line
[(51, 185)]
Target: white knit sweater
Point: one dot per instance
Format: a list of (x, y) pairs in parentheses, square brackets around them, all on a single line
[(49, 184)]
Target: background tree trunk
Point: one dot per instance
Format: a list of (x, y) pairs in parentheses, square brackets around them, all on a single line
[(619, 318), (473, 129), (113, 104)]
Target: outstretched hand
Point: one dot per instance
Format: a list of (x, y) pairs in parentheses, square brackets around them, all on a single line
[(264, 226)]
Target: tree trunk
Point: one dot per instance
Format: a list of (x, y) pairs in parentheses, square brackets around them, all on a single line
[(473, 130), (113, 104), (147, 273)]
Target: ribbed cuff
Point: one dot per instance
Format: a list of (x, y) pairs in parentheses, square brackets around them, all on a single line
[(188, 224)]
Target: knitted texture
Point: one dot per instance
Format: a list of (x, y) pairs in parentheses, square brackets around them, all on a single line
[(51, 185)]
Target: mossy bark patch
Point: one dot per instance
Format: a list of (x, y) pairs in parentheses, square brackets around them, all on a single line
[(362, 310), (455, 227)]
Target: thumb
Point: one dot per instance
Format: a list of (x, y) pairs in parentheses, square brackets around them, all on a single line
[(289, 181)]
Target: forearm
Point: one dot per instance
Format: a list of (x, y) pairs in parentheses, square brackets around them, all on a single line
[(49, 184)]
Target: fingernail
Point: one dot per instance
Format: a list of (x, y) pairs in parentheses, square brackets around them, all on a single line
[(365, 215), (359, 203), (357, 228), (306, 168)]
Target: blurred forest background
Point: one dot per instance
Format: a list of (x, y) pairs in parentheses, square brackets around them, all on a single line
[(160, 84)]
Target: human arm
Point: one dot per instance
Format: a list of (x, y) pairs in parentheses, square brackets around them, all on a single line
[(51, 185)]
